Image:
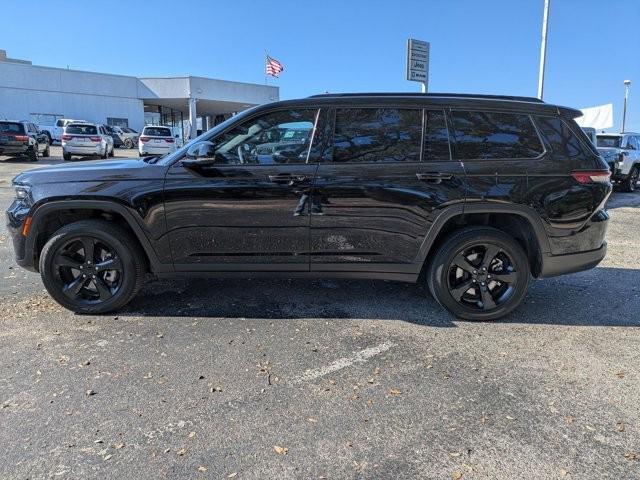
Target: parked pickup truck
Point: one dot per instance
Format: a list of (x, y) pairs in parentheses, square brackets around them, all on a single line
[(622, 152), (54, 132)]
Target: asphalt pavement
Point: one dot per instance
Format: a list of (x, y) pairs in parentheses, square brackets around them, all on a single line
[(335, 379)]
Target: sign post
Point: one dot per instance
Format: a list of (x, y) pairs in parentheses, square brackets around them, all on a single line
[(418, 62)]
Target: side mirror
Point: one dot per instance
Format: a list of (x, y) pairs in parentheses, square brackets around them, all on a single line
[(201, 151)]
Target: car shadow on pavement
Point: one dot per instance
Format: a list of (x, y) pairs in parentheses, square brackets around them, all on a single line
[(623, 199), (599, 297)]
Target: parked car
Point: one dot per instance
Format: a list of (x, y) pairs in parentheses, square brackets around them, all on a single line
[(156, 140), (55, 131), (128, 135), (22, 139), (475, 194), (86, 139), (117, 141), (621, 151)]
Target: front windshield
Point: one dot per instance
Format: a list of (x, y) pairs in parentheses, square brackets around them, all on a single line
[(169, 158)]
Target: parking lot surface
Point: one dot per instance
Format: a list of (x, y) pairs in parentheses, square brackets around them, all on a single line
[(336, 379)]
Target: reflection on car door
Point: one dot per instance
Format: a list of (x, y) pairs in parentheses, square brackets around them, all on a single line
[(376, 199), (243, 209)]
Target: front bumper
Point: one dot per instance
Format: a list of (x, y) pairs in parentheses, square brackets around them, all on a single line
[(554, 265), (17, 213)]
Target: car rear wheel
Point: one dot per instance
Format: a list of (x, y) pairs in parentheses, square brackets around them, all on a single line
[(479, 273), (66, 156), (128, 143), (112, 152), (631, 182), (47, 151), (92, 266)]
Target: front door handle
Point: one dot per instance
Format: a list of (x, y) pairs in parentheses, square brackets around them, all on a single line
[(434, 177), (287, 178)]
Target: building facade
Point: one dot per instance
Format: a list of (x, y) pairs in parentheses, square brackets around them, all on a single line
[(44, 94)]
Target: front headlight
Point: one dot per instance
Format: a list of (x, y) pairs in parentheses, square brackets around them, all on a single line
[(22, 191)]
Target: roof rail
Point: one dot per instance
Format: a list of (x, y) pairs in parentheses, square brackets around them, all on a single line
[(450, 95)]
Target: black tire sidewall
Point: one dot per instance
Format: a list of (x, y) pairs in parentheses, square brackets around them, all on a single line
[(438, 271), (115, 238)]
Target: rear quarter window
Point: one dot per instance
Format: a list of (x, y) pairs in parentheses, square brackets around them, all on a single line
[(561, 141), (492, 135), (157, 132)]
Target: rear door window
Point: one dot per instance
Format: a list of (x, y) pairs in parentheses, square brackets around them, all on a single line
[(377, 135), (491, 135), (436, 136), (157, 132)]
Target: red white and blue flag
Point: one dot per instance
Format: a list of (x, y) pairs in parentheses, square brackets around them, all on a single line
[(273, 67)]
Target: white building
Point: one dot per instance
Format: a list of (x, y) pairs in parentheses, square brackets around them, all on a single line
[(44, 94)]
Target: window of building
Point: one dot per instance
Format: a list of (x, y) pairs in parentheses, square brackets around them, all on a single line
[(117, 122), (486, 135), (377, 135)]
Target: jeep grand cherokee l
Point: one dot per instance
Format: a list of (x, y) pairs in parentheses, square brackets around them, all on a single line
[(476, 193)]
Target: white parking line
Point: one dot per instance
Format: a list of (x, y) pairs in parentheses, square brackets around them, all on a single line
[(358, 357)]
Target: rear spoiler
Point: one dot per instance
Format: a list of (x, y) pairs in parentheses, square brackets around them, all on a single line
[(568, 112)]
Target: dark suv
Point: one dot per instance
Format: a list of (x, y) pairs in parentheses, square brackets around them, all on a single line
[(23, 139), (477, 193)]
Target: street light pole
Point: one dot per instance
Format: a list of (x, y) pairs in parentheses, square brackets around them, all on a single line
[(543, 48), (627, 84)]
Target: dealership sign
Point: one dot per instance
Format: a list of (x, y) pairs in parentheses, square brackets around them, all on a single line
[(418, 61)]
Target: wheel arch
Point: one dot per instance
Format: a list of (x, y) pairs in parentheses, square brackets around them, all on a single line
[(53, 215), (519, 221)]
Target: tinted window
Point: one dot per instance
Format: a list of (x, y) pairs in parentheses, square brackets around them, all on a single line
[(377, 135), (436, 138), (631, 143), (562, 142), (277, 137), (157, 132), (11, 127), (81, 129), (495, 135), (611, 142)]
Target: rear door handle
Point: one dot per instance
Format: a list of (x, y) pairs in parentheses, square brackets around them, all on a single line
[(434, 177)]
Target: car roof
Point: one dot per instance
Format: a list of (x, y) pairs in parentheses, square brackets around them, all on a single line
[(612, 134), (441, 100)]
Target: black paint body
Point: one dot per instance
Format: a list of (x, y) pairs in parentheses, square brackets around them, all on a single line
[(377, 220)]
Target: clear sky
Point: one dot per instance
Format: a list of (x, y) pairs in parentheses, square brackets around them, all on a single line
[(479, 46)]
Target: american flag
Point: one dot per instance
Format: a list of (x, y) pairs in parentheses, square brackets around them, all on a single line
[(273, 67)]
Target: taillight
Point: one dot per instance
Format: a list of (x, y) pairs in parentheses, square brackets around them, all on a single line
[(169, 140), (596, 176), (22, 138), (144, 139), (67, 137), (95, 139)]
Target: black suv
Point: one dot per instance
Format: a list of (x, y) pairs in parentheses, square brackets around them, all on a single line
[(477, 193), (18, 139)]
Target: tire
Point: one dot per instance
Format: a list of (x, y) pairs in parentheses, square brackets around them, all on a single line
[(112, 153), (66, 156), (106, 153), (128, 143), (47, 151), (32, 153), (472, 293), (103, 290), (630, 182), (48, 137)]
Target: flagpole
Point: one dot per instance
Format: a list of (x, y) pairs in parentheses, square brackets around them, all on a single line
[(543, 49)]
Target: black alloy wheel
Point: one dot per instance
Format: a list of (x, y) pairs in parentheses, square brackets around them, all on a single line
[(92, 266), (479, 273)]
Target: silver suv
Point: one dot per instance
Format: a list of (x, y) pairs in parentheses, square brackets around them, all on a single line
[(86, 139), (622, 152)]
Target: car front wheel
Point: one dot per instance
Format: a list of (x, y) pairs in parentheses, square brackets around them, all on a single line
[(479, 273), (92, 266)]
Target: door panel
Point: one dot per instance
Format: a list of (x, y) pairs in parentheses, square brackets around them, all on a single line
[(228, 216), (377, 216)]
